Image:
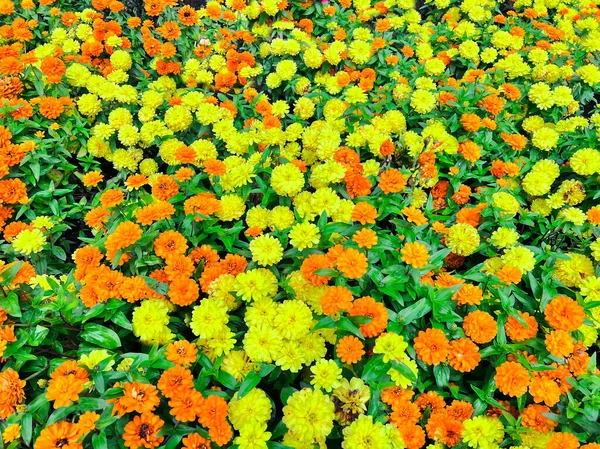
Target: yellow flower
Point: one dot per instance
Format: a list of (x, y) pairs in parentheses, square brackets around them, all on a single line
[(266, 250)]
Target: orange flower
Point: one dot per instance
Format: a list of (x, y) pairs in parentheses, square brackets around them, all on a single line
[(515, 141), (213, 411), (134, 182), (517, 331), (468, 294), (53, 68), (92, 178), (414, 215), (63, 390), (221, 434), (509, 274), (564, 313), (415, 254), (533, 418), (179, 266), (186, 405), (11, 392), (469, 150), (142, 431), (387, 148), (365, 238), (559, 343), (111, 198), (87, 422), (480, 327), (364, 213), (430, 399), (175, 380), (563, 440), (195, 441), (183, 292), (463, 355), (214, 167), (57, 435), (170, 243), (187, 15), (181, 352), (367, 306), (460, 410), (336, 299), (124, 235), (392, 181), (165, 188), (470, 122), (183, 174), (138, 397), (413, 435), (432, 346), (349, 349), (395, 395), (405, 411), (159, 210), (512, 379), (201, 204), (511, 91), (313, 263), (352, 263), (544, 390)]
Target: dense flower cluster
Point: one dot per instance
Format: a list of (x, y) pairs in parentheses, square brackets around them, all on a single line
[(274, 223)]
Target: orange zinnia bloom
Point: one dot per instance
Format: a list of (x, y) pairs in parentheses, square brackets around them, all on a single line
[(352, 263), (431, 346), (559, 343), (97, 217), (158, 210), (412, 435), (365, 238), (195, 441), (392, 181), (405, 411), (415, 254), (564, 313), (367, 306), (112, 198), (142, 431), (480, 327), (183, 292), (563, 440), (533, 418), (470, 122), (313, 263), (512, 379), (92, 179), (517, 331), (187, 405), (138, 397), (213, 411), (544, 390), (349, 349), (463, 355), (336, 299), (59, 434), (165, 188), (181, 352), (364, 213), (170, 243), (468, 294)]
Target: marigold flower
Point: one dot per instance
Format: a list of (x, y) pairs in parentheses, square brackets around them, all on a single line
[(432, 346), (349, 349), (512, 379), (415, 254), (564, 313)]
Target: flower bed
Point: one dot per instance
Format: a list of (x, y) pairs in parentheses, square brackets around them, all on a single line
[(280, 224)]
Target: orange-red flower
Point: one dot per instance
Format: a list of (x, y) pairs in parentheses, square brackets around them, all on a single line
[(512, 379), (432, 346), (349, 349)]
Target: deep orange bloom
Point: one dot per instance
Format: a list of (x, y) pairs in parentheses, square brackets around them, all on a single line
[(165, 188), (186, 405), (517, 331), (534, 419), (57, 435), (195, 441), (142, 431), (364, 213), (415, 254), (563, 440), (336, 299), (313, 263), (170, 243), (367, 306), (392, 181), (431, 346), (512, 379), (181, 352), (559, 343), (349, 349), (480, 326), (213, 411), (352, 263), (470, 122), (468, 294), (564, 313), (463, 355)]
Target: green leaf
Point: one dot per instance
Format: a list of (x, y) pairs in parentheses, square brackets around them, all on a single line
[(11, 304), (99, 441), (251, 381), (27, 428), (375, 369), (442, 375), (414, 312), (101, 336)]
